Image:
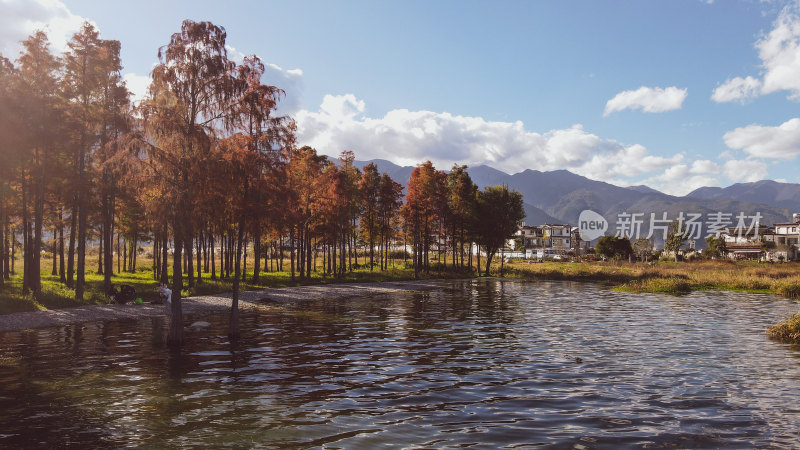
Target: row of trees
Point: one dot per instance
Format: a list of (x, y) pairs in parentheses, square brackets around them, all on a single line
[(60, 119), (203, 165), (620, 248)]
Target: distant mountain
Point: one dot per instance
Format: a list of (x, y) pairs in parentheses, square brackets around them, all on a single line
[(400, 174), (768, 192), (644, 189), (559, 196), (487, 176), (535, 216)]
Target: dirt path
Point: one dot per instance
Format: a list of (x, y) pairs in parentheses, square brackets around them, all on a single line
[(218, 302)]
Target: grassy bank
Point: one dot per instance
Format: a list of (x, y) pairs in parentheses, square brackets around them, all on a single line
[(666, 277), (682, 278), (670, 277), (56, 295)]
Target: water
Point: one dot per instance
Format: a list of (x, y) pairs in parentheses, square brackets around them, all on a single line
[(477, 363)]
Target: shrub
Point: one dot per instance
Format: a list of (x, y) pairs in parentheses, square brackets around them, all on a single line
[(787, 331), (790, 289), (399, 254)]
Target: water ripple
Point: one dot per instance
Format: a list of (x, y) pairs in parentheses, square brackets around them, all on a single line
[(477, 363)]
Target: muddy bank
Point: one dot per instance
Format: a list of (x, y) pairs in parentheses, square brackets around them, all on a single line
[(217, 302)]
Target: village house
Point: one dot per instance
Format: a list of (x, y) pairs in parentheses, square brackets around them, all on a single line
[(746, 244), (779, 242), (549, 240), (786, 240)]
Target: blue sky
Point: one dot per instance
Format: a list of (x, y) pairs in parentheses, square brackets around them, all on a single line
[(674, 94)]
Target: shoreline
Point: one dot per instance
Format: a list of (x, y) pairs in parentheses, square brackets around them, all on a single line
[(217, 302)]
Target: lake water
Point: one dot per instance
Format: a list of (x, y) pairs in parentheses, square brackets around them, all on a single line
[(476, 363)]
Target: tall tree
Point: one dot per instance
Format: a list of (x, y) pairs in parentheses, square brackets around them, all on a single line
[(676, 238), (190, 91), (39, 82), (114, 121), (252, 155), (462, 204), (83, 80), (422, 211), (390, 200), (369, 189), (9, 154), (500, 213)]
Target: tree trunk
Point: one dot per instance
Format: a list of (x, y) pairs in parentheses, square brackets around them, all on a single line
[(280, 259), (54, 249), (244, 258), (478, 258), (73, 234), (156, 256), (62, 276), (26, 240), (309, 255), (229, 255), (371, 241), (489, 256), (36, 270), (199, 248), (189, 258), (256, 254), (80, 279), (213, 260), (205, 249), (13, 256), (119, 253), (175, 336), (165, 255), (134, 252), (100, 253), (291, 250), (233, 327), (8, 242)]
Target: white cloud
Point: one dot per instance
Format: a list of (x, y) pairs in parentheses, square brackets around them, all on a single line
[(745, 170), (738, 88), (681, 179), (781, 142), (290, 80), (704, 166), (779, 52), (20, 18), (409, 137), (137, 84), (652, 100), (780, 55)]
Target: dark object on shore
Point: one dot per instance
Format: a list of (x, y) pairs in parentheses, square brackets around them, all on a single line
[(124, 294)]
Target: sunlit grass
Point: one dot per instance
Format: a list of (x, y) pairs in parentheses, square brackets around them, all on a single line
[(787, 331), (667, 277), (671, 277), (55, 295)]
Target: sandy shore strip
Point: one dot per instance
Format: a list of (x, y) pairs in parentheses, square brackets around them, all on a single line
[(217, 302)]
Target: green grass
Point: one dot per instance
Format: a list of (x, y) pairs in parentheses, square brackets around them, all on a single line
[(55, 295)]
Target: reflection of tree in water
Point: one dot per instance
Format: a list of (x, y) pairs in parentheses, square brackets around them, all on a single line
[(37, 389)]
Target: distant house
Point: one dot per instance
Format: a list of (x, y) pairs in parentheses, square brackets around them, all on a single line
[(549, 240), (779, 242), (786, 239), (560, 236), (742, 244)]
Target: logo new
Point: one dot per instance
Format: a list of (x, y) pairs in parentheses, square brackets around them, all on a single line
[(591, 225)]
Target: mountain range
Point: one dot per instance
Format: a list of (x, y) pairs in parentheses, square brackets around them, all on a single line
[(559, 196)]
